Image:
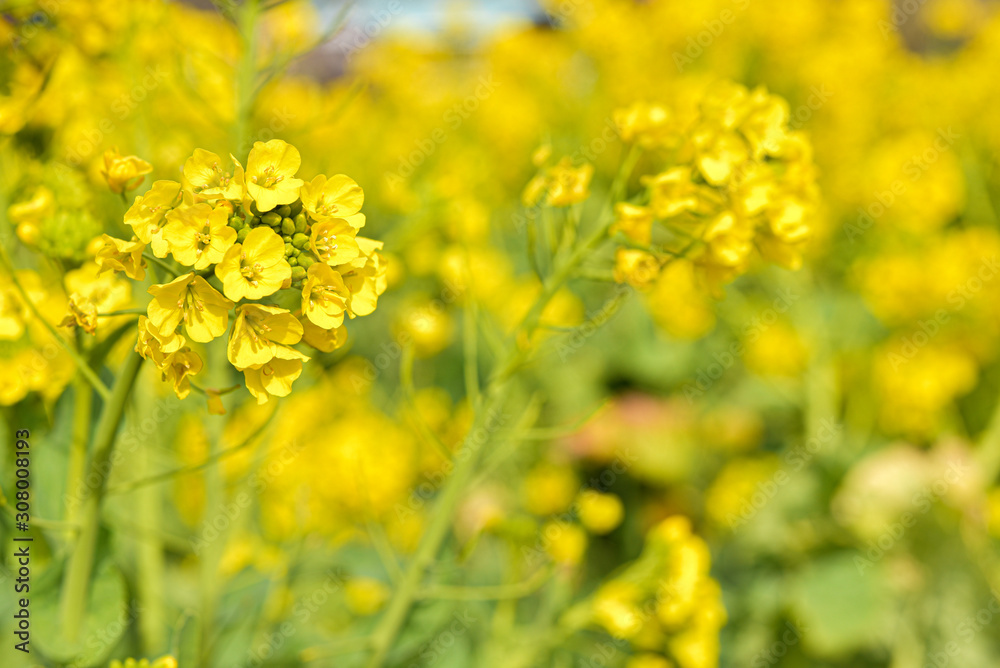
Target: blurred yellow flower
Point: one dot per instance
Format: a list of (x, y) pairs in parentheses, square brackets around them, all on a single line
[(124, 173)]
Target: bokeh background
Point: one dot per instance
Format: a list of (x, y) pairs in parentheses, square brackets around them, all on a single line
[(819, 446)]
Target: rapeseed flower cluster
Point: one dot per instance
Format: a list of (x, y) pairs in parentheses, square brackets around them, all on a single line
[(277, 255)]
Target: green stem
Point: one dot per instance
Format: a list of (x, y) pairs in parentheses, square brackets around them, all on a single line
[(76, 585), (83, 401), (409, 587), (162, 265)]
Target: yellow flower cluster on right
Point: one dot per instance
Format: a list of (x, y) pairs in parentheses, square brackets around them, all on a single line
[(734, 178), (665, 604)]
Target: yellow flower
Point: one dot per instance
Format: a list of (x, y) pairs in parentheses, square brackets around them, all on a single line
[(365, 596), (82, 314), (152, 345), (124, 172), (365, 277), (261, 333), (191, 300), (105, 292), (147, 213), (324, 296), (199, 235), (719, 153), (320, 338), (33, 210), (272, 379), (636, 267), (256, 268), (635, 222), (730, 240), (333, 240), (568, 184), (178, 367), (600, 513), (649, 125), (336, 197), (121, 255), (270, 174), (205, 177), (674, 191)]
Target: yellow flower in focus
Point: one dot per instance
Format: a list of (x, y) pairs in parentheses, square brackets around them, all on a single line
[(260, 333), (124, 173), (146, 215), (272, 379), (199, 235), (365, 277), (365, 596), (256, 268), (191, 300), (334, 241), (324, 296), (203, 175), (154, 346), (270, 174), (120, 255), (335, 197), (600, 513)]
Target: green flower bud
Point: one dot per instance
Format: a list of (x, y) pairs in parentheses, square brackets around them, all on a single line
[(242, 234), (289, 250), (301, 224), (294, 261), (298, 273), (284, 211), (253, 209), (255, 221), (306, 261), (296, 207), (287, 227), (300, 240), (271, 218)]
